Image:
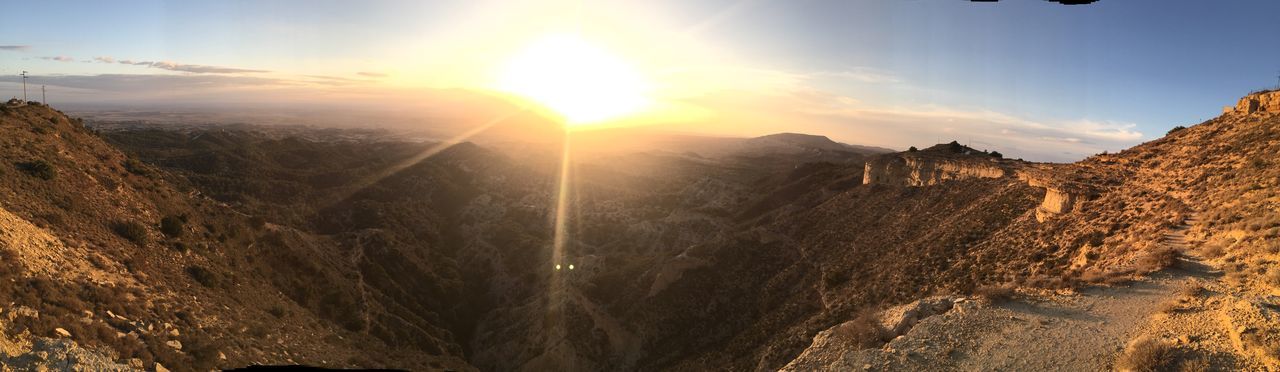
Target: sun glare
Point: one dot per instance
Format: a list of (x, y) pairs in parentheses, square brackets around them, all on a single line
[(581, 82)]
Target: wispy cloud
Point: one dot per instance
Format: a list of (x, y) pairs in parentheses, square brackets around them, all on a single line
[(15, 48), (372, 74), (201, 69), (182, 67), (155, 82), (59, 59), (105, 59), (772, 101), (862, 74)]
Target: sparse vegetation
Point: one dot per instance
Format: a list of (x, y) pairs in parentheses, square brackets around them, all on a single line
[(203, 276), (39, 169), (133, 231), (1147, 355), (864, 331), (173, 226), (1156, 259), (1175, 130), (995, 294), (136, 167)]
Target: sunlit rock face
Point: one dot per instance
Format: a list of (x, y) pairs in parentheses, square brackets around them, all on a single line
[(1258, 102), (916, 170), (1055, 202)]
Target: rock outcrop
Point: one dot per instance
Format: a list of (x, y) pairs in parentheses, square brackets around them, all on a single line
[(914, 169), (1060, 197), (1266, 101), (933, 167)]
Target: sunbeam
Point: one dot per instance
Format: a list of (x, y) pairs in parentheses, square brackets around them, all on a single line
[(430, 151)]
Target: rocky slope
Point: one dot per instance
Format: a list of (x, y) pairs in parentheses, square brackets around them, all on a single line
[(1217, 309), (215, 247)]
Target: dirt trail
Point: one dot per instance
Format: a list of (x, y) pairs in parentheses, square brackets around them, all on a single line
[(1083, 331)]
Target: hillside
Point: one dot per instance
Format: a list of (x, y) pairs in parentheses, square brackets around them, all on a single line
[(218, 247)]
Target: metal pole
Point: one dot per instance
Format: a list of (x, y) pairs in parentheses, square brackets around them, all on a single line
[(43, 98), (24, 86)]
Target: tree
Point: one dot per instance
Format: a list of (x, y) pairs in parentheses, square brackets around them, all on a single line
[(912, 149), (997, 154)]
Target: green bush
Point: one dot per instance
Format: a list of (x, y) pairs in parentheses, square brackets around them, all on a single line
[(132, 231), (1175, 130), (38, 168)]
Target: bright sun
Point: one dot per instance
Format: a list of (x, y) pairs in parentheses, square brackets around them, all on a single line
[(581, 82)]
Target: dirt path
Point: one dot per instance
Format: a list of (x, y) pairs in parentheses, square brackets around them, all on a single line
[(1078, 332)]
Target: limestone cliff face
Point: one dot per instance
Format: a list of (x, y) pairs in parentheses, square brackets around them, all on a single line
[(923, 169), (1257, 102), (914, 170), (1059, 197)]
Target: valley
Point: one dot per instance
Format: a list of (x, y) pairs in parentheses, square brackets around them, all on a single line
[(217, 246)]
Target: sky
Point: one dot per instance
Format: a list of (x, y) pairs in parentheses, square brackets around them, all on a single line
[(1032, 79)]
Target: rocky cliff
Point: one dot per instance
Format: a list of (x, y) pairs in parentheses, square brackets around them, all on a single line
[(1264, 101), (917, 169)]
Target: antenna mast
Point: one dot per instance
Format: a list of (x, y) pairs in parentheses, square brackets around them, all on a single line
[(24, 85), (43, 99)]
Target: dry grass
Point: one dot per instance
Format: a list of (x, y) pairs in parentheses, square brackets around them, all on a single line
[(1273, 277), (864, 330), (1212, 251), (1192, 290), (1195, 365), (994, 294), (1147, 355), (1156, 259), (1172, 306)]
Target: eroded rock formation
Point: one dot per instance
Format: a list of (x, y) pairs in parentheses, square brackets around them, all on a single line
[(908, 169), (1267, 101)]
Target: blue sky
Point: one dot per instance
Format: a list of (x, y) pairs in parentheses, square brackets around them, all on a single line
[(1028, 77)]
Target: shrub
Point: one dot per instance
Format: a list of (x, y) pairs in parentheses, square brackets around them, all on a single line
[(1156, 259), (257, 222), (1171, 306), (38, 168), (172, 227), (994, 293), (1147, 354), (1273, 277), (864, 330), (1196, 365), (132, 231), (136, 167), (997, 154), (1212, 251), (912, 149), (202, 275), (1175, 130)]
